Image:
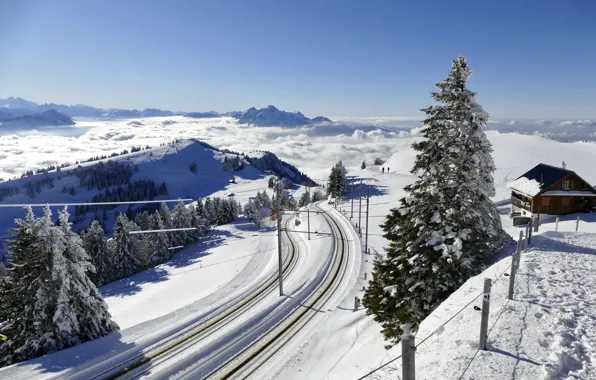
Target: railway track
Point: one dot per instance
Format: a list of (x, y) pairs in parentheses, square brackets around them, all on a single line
[(137, 365), (251, 360)]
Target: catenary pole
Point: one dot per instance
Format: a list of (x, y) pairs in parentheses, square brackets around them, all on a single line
[(367, 201), (281, 286), (360, 212)]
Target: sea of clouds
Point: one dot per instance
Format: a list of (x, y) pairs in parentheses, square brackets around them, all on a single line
[(313, 149)]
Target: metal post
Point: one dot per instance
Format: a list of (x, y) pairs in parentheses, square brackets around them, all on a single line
[(408, 349), (530, 232), (365, 275), (514, 264), (557, 223), (367, 201), (308, 221), (356, 303), (526, 240), (485, 311), (577, 224), (281, 286), (360, 211), (519, 242), (352, 210)]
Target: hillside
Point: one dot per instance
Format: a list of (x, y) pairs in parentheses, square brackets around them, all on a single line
[(158, 173), (46, 118)]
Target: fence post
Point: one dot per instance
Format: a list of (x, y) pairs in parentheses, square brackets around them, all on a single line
[(356, 303), (408, 350), (556, 224), (365, 275), (485, 311), (514, 263), (577, 224), (526, 240), (530, 233)]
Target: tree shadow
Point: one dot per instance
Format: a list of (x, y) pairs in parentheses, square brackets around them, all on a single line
[(82, 361), (131, 285), (543, 243)]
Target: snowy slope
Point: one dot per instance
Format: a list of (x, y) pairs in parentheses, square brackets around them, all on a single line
[(169, 164)]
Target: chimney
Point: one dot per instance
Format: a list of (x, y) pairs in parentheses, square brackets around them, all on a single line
[(564, 165)]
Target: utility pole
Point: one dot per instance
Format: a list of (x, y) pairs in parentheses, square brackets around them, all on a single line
[(308, 219), (366, 238), (352, 210), (360, 211), (281, 286)]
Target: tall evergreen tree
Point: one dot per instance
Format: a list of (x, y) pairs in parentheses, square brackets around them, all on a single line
[(181, 218), (96, 246), (363, 166), (337, 180), (126, 247), (317, 196), (447, 223), (158, 243), (304, 199), (81, 313)]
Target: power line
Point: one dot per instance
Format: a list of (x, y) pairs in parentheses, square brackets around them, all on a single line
[(5, 205), (163, 230)]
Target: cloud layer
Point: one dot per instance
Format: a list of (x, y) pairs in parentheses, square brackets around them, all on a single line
[(311, 148)]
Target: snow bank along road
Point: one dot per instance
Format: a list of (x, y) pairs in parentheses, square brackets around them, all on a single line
[(225, 314)]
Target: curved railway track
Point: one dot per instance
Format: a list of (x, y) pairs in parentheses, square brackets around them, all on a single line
[(251, 360), (142, 362)]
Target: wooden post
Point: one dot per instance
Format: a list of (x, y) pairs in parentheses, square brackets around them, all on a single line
[(485, 312), (408, 349), (557, 224)]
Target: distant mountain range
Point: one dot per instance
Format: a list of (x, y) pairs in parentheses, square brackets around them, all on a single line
[(13, 110), (271, 116)]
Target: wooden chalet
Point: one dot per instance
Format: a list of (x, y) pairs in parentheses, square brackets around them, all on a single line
[(549, 190)]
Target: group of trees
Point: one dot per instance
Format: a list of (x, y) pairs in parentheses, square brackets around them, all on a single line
[(447, 224), (338, 181), (49, 296), (231, 164), (144, 189), (259, 206), (306, 198), (48, 301), (104, 174)]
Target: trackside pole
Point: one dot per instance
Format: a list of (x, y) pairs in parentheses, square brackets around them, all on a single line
[(577, 224), (485, 311), (408, 349), (281, 285), (308, 220), (366, 236), (360, 212)]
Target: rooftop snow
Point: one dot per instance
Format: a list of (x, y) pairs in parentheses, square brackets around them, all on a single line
[(570, 193), (525, 186)]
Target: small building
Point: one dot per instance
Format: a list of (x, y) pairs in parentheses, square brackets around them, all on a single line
[(550, 191)]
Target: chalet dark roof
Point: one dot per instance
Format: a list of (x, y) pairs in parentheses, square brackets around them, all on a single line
[(546, 174)]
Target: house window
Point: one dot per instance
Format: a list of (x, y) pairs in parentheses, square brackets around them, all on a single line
[(567, 185)]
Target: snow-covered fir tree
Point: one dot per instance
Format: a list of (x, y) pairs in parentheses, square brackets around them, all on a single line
[(363, 166), (252, 213), (96, 246), (304, 199), (48, 301), (126, 247), (446, 224), (337, 180), (158, 243), (81, 314), (196, 222), (317, 196), (181, 218)]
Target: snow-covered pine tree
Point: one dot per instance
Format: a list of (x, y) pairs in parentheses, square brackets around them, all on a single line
[(317, 196), (181, 219), (81, 314), (126, 247), (158, 243), (447, 223), (363, 166), (337, 180), (304, 199), (96, 246), (166, 218), (197, 223), (29, 275), (251, 212), (209, 211)]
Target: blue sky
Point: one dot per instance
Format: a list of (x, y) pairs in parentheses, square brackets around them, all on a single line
[(530, 59)]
